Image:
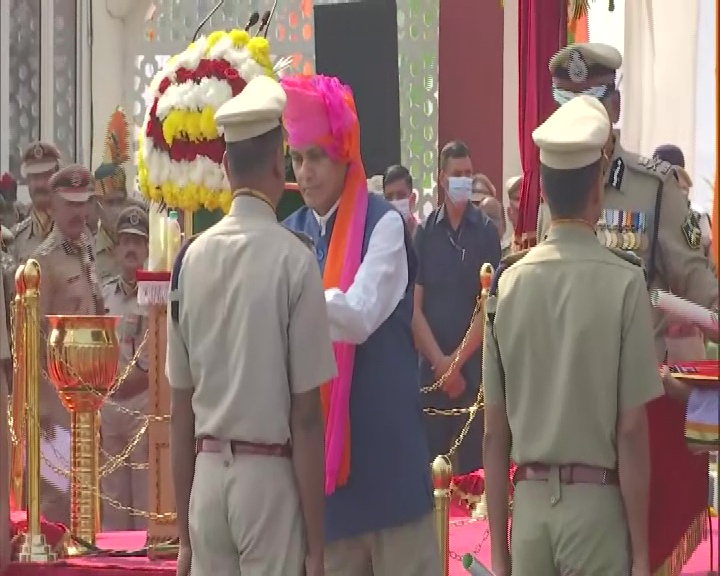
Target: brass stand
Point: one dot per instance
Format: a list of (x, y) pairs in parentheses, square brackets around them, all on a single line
[(442, 478), (82, 363), (34, 548)]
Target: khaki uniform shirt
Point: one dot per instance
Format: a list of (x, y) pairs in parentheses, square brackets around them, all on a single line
[(133, 321), (253, 326), (570, 349), (68, 285), (631, 196), (107, 264), (29, 234)]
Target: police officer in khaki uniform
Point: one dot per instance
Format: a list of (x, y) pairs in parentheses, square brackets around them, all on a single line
[(248, 347), (121, 415), (69, 285), (565, 395), (40, 161), (644, 210)]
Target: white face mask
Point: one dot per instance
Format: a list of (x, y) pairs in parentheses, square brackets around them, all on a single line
[(459, 189), (402, 206)]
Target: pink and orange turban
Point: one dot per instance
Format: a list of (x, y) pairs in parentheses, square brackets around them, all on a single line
[(321, 111)]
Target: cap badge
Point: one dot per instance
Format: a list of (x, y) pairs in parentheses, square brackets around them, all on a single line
[(576, 67), (76, 180), (38, 152), (134, 219)]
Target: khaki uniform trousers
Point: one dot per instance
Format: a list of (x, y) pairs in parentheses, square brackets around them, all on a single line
[(245, 516), (568, 530), (407, 550), (128, 485)]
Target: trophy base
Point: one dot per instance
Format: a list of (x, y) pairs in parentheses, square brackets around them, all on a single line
[(35, 549)]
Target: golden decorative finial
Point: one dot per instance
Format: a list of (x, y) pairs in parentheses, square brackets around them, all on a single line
[(31, 276), (442, 478), (486, 276)]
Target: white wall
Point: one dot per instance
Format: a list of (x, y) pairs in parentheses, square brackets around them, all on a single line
[(114, 23)]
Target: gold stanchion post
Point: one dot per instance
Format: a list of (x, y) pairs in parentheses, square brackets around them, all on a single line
[(82, 356), (479, 510), (442, 478), (19, 390), (34, 548)]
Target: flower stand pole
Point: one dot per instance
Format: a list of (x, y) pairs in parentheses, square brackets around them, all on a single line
[(153, 292)]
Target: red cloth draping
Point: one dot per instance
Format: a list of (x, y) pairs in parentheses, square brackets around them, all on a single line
[(678, 486), (542, 31)]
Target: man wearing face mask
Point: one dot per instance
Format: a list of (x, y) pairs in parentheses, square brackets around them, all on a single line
[(452, 245), (398, 190), (40, 161)]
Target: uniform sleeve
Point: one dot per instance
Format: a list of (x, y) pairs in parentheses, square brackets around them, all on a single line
[(493, 378), (683, 263), (177, 359), (311, 355), (638, 376)]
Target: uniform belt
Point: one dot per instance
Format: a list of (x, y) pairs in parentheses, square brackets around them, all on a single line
[(682, 331), (237, 447), (569, 474)]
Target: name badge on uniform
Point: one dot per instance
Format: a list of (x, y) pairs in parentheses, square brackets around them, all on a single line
[(622, 229)]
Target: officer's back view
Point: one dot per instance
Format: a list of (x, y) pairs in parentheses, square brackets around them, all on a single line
[(569, 364), (248, 347)]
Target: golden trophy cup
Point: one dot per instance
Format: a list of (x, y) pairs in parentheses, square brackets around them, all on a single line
[(82, 355)]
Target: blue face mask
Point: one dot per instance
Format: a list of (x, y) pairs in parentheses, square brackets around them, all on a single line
[(459, 189)]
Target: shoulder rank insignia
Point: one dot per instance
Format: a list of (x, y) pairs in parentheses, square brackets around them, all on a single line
[(656, 165), (505, 263), (304, 238), (691, 229)]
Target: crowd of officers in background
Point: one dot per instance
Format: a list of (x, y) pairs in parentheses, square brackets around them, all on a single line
[(89, 237)]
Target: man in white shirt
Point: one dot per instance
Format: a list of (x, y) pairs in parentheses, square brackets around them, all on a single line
[(378, 513)]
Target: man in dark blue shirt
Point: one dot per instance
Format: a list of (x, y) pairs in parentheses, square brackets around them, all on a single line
[(452, 245)]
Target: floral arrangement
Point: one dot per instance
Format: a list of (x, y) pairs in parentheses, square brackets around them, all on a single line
[(181, 148)]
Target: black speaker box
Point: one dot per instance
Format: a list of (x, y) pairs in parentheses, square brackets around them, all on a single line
[(357, 42)]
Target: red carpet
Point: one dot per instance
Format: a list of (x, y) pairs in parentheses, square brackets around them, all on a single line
[(466, 535)]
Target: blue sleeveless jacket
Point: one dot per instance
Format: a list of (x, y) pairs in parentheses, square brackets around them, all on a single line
[(389, 482)]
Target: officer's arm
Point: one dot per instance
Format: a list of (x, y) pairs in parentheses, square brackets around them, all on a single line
[(684, 264), (497, 439), (182, 417), (638, 383), (311, 363)]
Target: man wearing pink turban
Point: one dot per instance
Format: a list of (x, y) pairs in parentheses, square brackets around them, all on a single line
[(378, 512)]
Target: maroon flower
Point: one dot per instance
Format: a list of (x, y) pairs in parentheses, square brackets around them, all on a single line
[(231, 74)]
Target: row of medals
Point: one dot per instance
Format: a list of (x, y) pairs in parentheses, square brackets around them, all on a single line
[(622, 230)]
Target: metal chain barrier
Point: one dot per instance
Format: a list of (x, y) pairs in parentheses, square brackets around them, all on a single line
[(111, 462)]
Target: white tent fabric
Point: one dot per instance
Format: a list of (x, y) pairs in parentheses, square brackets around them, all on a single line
[(659, 75)]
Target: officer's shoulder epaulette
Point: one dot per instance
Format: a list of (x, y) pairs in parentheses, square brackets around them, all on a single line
[(506, 263), (46, 246), (20, 226), (304, 238), (652, 167)]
